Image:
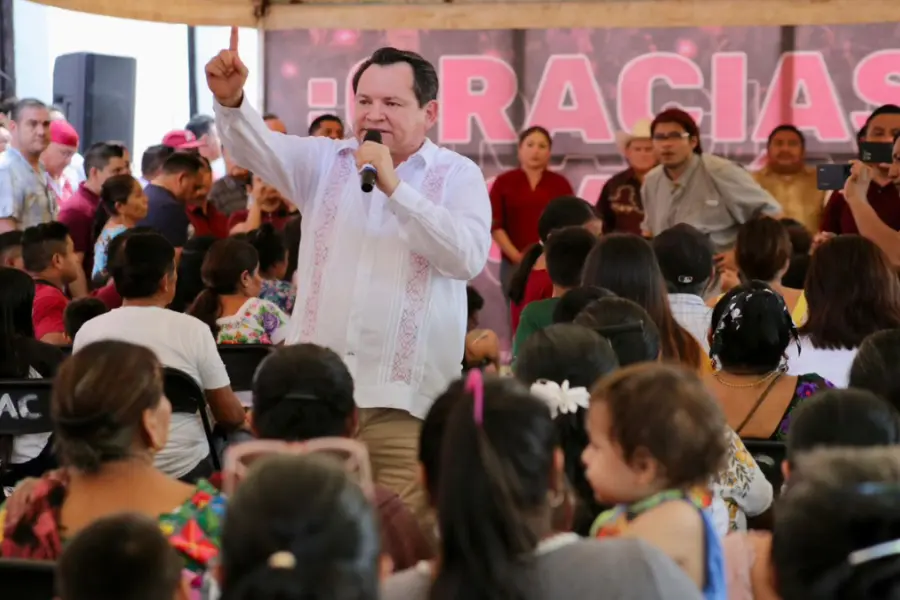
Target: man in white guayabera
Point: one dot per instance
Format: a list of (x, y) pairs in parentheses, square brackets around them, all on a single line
[(381, 275)]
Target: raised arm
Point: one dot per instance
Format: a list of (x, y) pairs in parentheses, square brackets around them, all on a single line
[(867, 220), (288, 163)]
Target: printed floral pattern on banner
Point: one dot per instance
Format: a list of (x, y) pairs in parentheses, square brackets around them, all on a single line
[(257, 322)]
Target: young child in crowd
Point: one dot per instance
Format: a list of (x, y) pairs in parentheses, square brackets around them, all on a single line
[(80, 311), (273, 266), (124, 556), (657, 439)]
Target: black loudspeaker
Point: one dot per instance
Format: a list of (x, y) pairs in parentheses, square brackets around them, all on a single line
[(96, 93)]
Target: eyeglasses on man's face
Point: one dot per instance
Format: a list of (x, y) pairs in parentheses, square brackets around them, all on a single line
[(672, 136)]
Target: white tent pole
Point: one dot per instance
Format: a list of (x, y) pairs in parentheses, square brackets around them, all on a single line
[(261, 66)]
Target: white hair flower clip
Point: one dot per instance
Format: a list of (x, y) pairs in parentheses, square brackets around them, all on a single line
[(561, 399)]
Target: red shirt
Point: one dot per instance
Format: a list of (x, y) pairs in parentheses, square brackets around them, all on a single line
[(48, 309), (538, 287), (77, 213), (278, 219), (108, 296), (885, 200), (516, 208), (208, 221)]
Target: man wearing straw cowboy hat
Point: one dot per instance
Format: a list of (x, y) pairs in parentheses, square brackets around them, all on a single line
[(619, 204)]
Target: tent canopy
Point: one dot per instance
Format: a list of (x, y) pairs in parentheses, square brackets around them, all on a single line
[(489, 14)]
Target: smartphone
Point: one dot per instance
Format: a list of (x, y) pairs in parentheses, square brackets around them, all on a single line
[(832, 176), (876, 152)]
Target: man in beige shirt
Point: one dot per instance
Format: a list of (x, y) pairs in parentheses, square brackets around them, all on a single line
[(789, 179)]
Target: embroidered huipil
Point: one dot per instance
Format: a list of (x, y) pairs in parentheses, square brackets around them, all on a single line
[(382, 280)]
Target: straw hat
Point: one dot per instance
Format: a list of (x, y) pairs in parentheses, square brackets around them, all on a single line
[(640, 131)]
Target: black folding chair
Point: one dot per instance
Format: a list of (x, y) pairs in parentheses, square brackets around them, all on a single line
[(25, 406), (27, 579), (188, 397), (768, 455), (241, 361)]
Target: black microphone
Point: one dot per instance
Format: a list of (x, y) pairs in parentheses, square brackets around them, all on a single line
[(368, 173)]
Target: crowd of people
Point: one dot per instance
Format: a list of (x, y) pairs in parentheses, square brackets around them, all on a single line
[(696, 312)]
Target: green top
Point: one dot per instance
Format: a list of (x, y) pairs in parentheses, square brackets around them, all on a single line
[(535, 316)]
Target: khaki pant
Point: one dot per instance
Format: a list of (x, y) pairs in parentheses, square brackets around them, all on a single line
[(392, 438)]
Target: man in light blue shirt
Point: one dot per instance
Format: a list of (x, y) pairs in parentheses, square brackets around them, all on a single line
[(25, 199)]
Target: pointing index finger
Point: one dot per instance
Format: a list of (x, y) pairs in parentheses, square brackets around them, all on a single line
[(233, 45)]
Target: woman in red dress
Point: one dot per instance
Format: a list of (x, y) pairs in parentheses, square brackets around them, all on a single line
[(519, 196)]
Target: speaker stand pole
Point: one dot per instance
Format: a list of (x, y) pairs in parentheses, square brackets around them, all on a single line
[(192, 69)]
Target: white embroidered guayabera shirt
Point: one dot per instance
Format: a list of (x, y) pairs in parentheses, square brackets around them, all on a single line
[(381, 280)]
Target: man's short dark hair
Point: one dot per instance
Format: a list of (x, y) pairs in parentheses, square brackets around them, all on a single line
[(80, 311), (120, 556), (884, 109), (200, 125), (141, 263), (153, 159), (41, 242), (565, 252), (787, 127), (317, 122), (425, 79), (24, 104), (99, 155), (10, 240), (184, 162)]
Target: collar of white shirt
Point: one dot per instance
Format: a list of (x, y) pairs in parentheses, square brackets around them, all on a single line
[(426, 152)]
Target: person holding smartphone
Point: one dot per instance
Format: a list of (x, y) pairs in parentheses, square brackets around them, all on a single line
[(866, 217), (882, 194)]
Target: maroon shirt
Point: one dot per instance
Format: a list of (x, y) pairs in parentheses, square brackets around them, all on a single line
[(207, 220), (619, 205), (516, 208), (77, 213), (885, 200), (108, 296)]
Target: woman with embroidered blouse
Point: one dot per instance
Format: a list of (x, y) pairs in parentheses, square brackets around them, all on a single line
[(230, 302), (110, 417), (752, 329)]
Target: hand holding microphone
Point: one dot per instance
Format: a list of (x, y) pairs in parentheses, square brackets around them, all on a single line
[(376, 167)]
